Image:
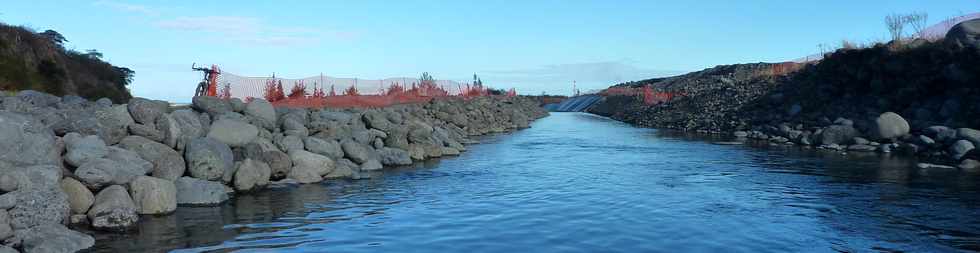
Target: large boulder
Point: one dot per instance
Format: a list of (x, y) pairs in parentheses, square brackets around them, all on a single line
[(80, 199), (197, 192), (890, 126), (25, 140), (53, 238), (146, 131), (208, 158), (167, 163), (377, 119), (289, 142), (212, 105), (309, 167), (237, 105), (969, 134), (171, 131), (38, 206), (232, 132), (37, 98), (252, 175), (941, 134), (966, 33), (355, 151), (190, 124), (838, 134), (343, 168), (263, 150), (113, 210), (329, 148), (5, 230), (83, 149), (100, 172), (145, 111), (153, 195), (120, 113), (394, 156), (262, 110), (129, 159), (960, 148)]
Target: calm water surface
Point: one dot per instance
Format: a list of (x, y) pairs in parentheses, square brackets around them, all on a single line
[(581, 183)]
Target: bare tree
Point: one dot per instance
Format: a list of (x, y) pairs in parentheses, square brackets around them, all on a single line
[(896, 25), (918, 20)]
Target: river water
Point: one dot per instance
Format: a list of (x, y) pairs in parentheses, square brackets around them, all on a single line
[(581, 183)]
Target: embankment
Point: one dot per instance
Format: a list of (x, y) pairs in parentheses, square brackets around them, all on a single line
[(98, 166), (916, 97)]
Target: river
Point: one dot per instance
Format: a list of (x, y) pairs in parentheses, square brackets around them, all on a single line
[(581, 183)]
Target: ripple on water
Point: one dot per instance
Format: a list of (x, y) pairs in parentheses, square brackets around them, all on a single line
[(580, 183)]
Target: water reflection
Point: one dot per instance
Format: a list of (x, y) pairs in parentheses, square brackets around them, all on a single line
[(582, 183)]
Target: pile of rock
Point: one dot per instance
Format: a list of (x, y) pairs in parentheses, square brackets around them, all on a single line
[(889, 132), (99, 165)]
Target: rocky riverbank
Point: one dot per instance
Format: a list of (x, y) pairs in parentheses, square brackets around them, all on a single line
[(915, 97), (67, 162)]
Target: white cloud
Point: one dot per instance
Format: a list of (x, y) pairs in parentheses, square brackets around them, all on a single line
[(127, 7)]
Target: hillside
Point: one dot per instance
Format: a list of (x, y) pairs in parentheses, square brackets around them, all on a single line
[(37, 61)]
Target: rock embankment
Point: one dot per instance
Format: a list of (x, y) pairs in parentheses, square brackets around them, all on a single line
[(97, 165), (916, 97)]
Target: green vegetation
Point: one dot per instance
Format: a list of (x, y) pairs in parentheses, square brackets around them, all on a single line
[(39, 61)]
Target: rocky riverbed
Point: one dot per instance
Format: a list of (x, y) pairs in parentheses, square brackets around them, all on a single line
[(69, 163)]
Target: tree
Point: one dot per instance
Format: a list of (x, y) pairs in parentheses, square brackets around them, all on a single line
[(918, 21), (125, 75), (896, 25), (93, 54), (54, 37)]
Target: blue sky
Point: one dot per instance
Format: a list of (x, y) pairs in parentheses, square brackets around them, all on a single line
[(534, 46)]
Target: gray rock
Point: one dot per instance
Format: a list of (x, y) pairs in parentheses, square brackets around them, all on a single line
[(7, 201), (211, 105), (8, 183), (80, 199), (252, 175), (862, 148), (860, 141), (940, 133), (453, 151), (147, 131), (5, 230), (355, 151), (113, 210), (740, 134), (236, 104), (925, 141), (208, 158), (309, 167), (37, 98), (53, 238), (233, 133), (103, 102), (83, 149), (171, 131), (969, 165), (934, 166), (145, 111), (120, 113), (394, 156), (190, 124), (890, 125), (129, 159), (969, 134), (376, 119), (960, 148), (329, 148), (289, 143), (838, 134), (153, 195), (343, 168), (167, 163), (371, 165), (843, 122), (291, 126), (966, 33), (261, 109), (38, 206), (263, 150), (33, 176), (25, 140), (197, 192)]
